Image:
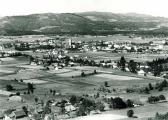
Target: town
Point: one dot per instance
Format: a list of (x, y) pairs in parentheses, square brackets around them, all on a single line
[(66, 77)]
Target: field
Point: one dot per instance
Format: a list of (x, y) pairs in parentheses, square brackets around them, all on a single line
[(97, 56), (68, 81), (113, 38), (116, 77), (34, 81), (101, 117)]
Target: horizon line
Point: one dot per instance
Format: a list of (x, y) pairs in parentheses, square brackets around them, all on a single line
[(83, 12)]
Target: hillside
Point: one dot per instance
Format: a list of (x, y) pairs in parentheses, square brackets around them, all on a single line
[(80, 23)]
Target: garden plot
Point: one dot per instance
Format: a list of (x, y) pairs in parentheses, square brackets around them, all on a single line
[(117, 77), (35, 81), (59, 71)]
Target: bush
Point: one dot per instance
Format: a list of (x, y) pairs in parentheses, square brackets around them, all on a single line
[(130, 113), (36, 100), (100, 106), (9, 87), (129, 103), (83, 74), (162, 97), (24, 108), (73, 99), (81, 111), (150, 86), (154, 99), (106, 84), (160, 116), (18, 93), (118, 103)]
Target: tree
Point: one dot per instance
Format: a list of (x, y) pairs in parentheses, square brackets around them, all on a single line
[(129, 103), (63, 106), (54, 92), (162, 97), (83, 74), (24, 108), (118, 103), (36, 100), (106, 84), (146, 90), (51, 91), (81, 111), (132, 49), (130, 113), (132, 66), (150, 86), (95, 72), (18, 93), (47, 109), (30, 87), (122, 63), (100, 106), (73, 99), (9, 87)]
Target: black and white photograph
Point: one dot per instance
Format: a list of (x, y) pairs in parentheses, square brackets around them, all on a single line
[(83, 59)]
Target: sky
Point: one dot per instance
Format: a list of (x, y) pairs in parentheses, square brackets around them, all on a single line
[(24, 7)]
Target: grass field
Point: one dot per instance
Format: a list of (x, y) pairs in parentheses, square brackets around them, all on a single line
[(34, 81), (116, 77)]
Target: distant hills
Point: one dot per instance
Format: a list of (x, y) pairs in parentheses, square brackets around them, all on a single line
[(83, 23)]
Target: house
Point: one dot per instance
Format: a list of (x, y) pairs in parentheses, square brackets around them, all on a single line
[(72, 64), (141, 72), (33, 63), (127, 69), (39, 110), (69, 107), (9, 115), (35, 117), (95, 112), (50, 117), (19, 114), (13, 115)]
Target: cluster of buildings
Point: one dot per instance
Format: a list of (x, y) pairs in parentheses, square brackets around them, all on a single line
[(39, 111), (68, 44)]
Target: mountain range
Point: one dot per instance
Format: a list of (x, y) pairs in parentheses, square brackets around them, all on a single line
[(82, 23)]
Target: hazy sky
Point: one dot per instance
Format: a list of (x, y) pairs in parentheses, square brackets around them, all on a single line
[(22, 7)]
